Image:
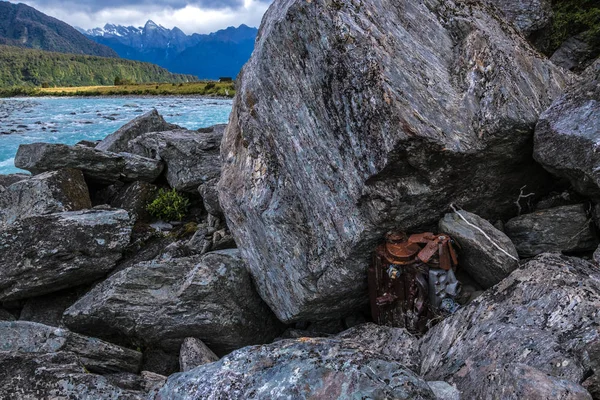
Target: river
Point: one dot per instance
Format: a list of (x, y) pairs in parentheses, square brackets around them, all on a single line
[(69, 120)]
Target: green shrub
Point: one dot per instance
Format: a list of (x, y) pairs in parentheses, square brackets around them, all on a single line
[(169, 205)]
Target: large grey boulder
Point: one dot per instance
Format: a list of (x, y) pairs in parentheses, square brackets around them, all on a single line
[(162, 302), (300, 369), (575, 54), (60, 375), (192, 158), (151, 121), (351, 121), (565, 228), (543, 317), (96, 165), (44, 254), (485, 253), (134, 198), (96, 355), (47, 193), (567, 135)]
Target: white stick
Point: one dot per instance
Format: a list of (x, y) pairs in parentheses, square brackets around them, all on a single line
[(483, 233)]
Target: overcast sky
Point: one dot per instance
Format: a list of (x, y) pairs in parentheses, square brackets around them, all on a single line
[(200, 16)]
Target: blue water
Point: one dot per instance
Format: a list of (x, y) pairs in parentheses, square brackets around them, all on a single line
[(69, 120)]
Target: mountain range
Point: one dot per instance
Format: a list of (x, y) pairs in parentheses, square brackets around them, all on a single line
[(24, 26), (208, 56)]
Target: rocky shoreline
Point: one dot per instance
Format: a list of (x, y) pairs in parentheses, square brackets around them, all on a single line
[(248, 280)]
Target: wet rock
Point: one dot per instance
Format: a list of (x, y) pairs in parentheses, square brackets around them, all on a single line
[(96, 165), (444, 391), (543, 316), (45, 254), (304, 368), (134, 198), (373, 121), (164, 301), (192, 158), (567, 134), (7, 180), (566, 229), (195, 353), (96, 355), (479, 255), (151, 121), (47, 193)]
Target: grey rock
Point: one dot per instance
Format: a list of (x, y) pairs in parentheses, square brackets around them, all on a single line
[(49, 309), (7, 180), (530, 17), (210, 197), (478, 254), (88, 143), (596, 256), (397, 343), (192, 158), (134, 198), (519, 381), (543, 316), (160, 362), (300, 369), (27, 376), (164, 301), (195, 353), (152, 382), (96, 355), (48, 253), (6, 316), (444, 391), (47, 193), (151, 121), (351, 121), (574, 54), (567, 134), (566, 229), (98, 166)]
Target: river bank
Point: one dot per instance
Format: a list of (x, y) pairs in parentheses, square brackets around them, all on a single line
[(204, 88)]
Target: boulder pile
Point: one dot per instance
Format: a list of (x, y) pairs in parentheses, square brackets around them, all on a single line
[(231, 262)]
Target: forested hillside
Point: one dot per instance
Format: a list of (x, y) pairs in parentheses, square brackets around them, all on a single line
[(28, 67), (24, 26)]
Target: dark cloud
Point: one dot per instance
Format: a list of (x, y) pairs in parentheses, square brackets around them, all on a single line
[(94, 5)]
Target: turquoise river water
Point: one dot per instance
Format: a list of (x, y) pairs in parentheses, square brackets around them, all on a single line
[(69, 120)]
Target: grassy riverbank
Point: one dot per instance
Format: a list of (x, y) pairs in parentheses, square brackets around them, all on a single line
[(205, 88)]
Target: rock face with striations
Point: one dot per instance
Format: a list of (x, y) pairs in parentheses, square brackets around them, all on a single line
[(192, 158), (301, 369), (151, 121), (477, 240), (531, 333), (565, 228), (162, 302), (567, 134), (47, 193), (96, 165), (44, 254), (378, 117)]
